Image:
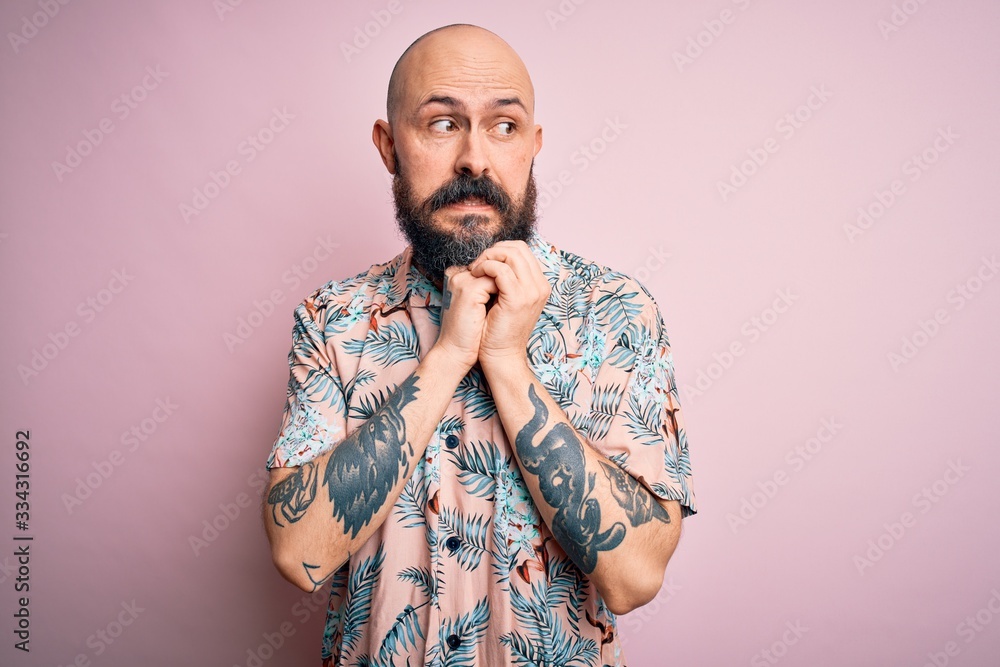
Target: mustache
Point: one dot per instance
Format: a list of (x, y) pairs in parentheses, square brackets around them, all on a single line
[(464, 187)]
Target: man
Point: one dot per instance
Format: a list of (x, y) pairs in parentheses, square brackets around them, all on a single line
[(482, 450)]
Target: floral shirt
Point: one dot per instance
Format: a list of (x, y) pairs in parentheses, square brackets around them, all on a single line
[(464, 571)]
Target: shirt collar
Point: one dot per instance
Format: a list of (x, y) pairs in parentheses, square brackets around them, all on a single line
[(401, 282)]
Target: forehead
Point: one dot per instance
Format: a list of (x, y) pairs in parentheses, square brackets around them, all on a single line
[(473, 68)]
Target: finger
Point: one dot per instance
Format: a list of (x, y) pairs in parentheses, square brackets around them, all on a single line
[(505, 278), (517, 255), (464, 286)]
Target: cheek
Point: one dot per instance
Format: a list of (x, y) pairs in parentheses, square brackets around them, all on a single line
[(427, 168)]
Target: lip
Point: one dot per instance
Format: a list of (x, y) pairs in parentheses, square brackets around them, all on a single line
[(474, 205)]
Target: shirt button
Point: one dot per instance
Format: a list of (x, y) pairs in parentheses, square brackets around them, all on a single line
[(452, 544), (451, 441), (454, 641)]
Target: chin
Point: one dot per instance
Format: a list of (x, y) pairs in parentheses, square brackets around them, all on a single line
[(463, 224)]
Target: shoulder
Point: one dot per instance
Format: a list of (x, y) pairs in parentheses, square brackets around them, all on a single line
[(339, 303), (602, 284)]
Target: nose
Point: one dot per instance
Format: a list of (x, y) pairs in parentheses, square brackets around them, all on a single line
[(473, 159)]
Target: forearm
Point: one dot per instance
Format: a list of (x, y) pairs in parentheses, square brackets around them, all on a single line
[(318, 514), (611, 526)]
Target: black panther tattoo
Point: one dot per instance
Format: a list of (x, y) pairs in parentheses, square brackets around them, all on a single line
[(558, 461), (363, 468)]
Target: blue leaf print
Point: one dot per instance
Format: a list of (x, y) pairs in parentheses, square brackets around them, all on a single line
[(581, 422), (431, 536), (362, 378), (584, 268), (644, 421), (341, 317), (547, 641), (677, 464), (547, 325), (360, 587), (403, 633), (635, 342), (422, 578), (390, 344), (471, 628), (471, 534), (563, 388), (473, 392), (604, 402), (410, 507), (621, 458), (324, 385), (434, 313), (372, 403), (617, 308), (450, 425), (478, 465), (354, 346), (569, 299), (565, 585)]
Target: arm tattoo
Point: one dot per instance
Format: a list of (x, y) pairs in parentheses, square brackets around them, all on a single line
[(308, 567), (293, 495), (446, 299), (362, 469), (639, 505), (559, 463)]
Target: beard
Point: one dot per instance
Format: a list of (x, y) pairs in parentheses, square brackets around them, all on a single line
[(435, 250)]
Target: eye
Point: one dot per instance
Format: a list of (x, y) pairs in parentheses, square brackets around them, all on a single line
[(444, 125), (506, 128)]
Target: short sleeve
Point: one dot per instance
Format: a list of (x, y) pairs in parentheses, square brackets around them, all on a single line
[(635, 414), (314, 417)]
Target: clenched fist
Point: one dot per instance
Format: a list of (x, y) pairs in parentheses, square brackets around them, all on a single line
[(522, 291), (463, 314)]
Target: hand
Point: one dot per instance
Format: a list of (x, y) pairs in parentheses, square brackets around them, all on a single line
[(463, 314), (523, 292)]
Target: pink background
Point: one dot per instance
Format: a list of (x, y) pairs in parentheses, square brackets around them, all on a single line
[(663, 136)]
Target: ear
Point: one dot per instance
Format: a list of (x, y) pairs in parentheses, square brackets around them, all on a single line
[(538, 140), (382, 138)]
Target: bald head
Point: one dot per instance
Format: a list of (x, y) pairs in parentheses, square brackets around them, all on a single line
[(458, 52)]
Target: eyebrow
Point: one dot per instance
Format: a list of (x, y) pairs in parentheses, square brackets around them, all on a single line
[(459, 105)]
